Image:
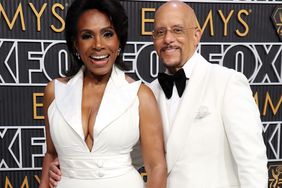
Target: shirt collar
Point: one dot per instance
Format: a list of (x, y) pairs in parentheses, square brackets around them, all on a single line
[(189, 65)]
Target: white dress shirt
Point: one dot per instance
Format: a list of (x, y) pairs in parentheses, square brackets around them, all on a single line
[(175, 100)]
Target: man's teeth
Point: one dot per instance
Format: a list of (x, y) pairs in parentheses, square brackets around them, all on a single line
[(99, 57)]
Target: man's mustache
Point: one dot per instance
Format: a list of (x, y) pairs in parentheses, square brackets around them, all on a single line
[(168, 47)]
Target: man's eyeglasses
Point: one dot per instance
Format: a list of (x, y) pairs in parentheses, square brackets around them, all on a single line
[(176, 31)]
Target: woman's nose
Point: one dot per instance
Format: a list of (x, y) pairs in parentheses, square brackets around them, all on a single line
[(98, 43)]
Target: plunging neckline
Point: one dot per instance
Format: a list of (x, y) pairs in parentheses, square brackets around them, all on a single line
[(97, 114), (117, 98)]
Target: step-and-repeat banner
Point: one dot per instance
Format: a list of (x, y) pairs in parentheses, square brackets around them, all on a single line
[(244, 35)]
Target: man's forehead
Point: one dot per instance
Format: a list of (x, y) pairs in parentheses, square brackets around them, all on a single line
[(174, 6), (170, 20)]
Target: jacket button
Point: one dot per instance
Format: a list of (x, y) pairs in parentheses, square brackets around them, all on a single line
[(101, 174), (100, 164)]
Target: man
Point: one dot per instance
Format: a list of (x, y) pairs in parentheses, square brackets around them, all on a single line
[(212, 129)]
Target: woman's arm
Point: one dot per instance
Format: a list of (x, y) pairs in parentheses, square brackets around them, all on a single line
[(152, 142), (51, 154)]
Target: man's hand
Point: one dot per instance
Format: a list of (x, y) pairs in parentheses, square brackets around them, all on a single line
[(54, 173)]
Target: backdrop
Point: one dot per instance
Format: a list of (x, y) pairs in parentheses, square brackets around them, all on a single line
[(244, 35)]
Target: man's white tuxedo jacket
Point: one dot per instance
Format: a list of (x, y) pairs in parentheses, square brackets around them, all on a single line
[(216, 139)]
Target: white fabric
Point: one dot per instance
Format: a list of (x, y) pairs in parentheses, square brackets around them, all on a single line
[(216, 138), (175, 100), (172, 106), (116, 131)]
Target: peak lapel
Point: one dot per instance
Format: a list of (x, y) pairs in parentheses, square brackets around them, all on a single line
[(119, 95), (117, 98), (70, 94), (186, 112), (162, 101)]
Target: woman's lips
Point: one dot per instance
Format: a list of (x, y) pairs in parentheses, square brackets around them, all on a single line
[(99, 59)]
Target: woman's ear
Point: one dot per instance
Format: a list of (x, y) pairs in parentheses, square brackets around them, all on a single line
[(75, 45), (75, 49)]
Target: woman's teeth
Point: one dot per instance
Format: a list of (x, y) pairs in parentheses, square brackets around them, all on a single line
[(100, 57)]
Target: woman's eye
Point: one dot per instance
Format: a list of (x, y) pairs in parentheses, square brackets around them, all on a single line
[(108, 34), (86, 36)]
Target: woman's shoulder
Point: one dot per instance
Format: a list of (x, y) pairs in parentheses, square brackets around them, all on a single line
[(63, 79), (144, 91), (129, 79), (49, 91)]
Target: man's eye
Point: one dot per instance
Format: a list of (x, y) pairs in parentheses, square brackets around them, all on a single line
[(86, 36), (177, 30), (108, 34), (160, 32)]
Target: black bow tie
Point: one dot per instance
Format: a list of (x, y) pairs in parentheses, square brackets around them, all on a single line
[(166, 81)]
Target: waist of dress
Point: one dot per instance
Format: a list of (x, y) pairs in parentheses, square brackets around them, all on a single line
[(95, 167)]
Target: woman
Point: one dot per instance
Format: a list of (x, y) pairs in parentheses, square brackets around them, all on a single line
[(95, 115)]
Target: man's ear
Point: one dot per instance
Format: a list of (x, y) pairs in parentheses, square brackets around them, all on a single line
[(197, 36)]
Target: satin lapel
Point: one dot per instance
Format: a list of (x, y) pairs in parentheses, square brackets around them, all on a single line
[(118, 97), (164, 113), (186, 112), (68, 101)]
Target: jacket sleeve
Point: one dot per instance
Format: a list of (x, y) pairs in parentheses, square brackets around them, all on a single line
[(243, 128)]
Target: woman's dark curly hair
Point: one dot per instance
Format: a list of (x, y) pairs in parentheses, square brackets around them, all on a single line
[(116, 13)]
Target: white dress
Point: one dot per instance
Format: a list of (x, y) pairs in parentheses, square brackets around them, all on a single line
[(116, 131)]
